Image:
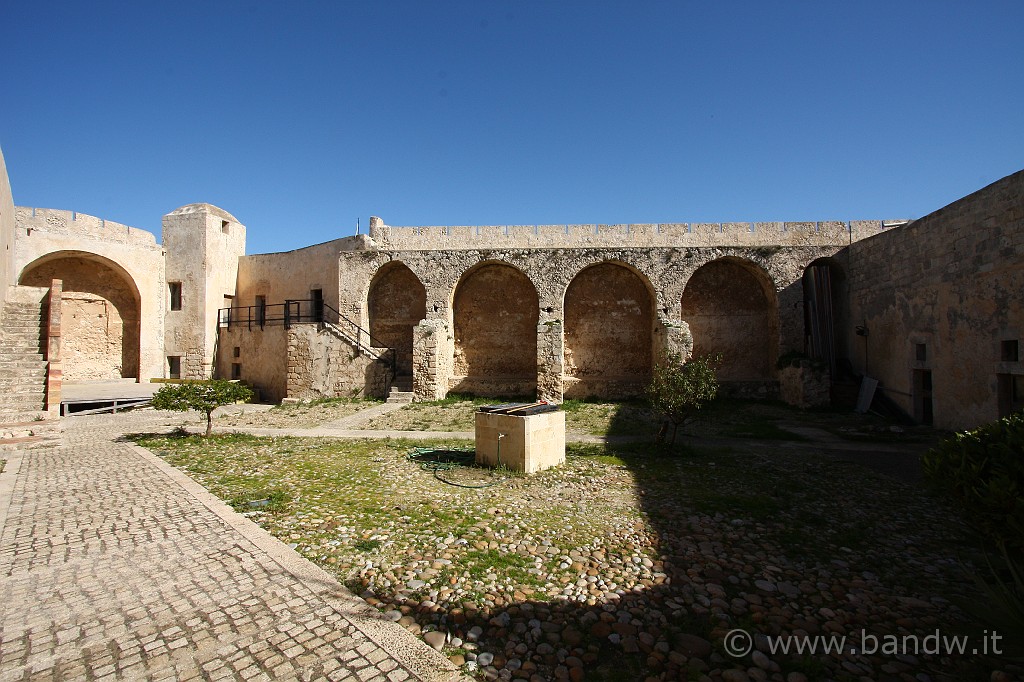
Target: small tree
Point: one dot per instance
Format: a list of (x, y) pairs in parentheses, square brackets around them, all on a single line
[(203, 396), (680, 388)]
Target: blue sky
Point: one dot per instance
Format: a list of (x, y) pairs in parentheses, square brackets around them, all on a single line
[(300, 118)]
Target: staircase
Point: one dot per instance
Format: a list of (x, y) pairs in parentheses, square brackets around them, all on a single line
[(22, 365), (401, 389)]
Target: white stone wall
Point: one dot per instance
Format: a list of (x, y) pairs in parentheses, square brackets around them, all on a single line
[(203, 244), (43, 234), (8, 276)]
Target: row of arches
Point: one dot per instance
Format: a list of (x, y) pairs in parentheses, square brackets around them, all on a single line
[(730, 306)]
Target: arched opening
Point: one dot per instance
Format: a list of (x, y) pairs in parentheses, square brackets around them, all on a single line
[(731, 308), (397, 301), (100, 314), (826, 314), (609, 312), (496, 310)]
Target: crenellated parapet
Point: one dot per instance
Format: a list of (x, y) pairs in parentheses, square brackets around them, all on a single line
[(73, 224), (645, 235)]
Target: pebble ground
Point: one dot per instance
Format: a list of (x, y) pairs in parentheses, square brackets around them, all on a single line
[(605, 571)]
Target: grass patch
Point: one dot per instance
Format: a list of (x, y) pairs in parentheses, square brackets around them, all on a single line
[(364, 511)]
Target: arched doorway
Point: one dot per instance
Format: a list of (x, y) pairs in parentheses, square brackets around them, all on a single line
[(730, 306), (100, 314), (396, 303), (496, 309), (609, 312), (825, 314)]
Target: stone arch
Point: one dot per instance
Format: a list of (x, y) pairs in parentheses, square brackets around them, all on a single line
[(495, 309), (609, 319), (731, 307), (826, 313), (396, 302), (100, 314)]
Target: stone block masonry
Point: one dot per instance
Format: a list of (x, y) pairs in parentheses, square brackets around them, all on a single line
[(753, 234)]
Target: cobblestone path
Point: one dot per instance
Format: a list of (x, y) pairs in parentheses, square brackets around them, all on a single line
[(114, 565)]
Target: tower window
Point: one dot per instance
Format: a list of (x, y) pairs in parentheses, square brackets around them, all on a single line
[(174, 289), (225, 227), (1009, 350)]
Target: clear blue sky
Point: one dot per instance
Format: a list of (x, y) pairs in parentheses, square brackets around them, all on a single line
[(299, 118)]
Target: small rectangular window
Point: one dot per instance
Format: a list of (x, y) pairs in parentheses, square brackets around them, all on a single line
[(225, 227), (174, 366), (1010, 393), (237, 351), (261, 310), (1009, 350), (174, 289), (236, 370), (921, 351)]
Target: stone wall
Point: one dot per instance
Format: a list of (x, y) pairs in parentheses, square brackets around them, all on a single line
[(323, 364), (941, 301), (291, 275), (79, 225), (203, 244), (261, 357), (122, 265), (8, 226), (658, 322), (821, 233), (99, 318)]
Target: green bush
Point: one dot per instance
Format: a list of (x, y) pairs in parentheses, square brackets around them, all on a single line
[(203, 396), (679, 389), (983, 470)]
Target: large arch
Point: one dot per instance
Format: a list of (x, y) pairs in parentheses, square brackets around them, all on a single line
[(396, 302), (609, 317), (100, 314), (495, 309), (731, 308)]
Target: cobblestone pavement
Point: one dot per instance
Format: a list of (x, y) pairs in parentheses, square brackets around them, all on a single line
[(114, 565)]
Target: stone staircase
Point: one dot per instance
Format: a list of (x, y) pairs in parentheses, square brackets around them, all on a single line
[(22, 364), (401, 389)]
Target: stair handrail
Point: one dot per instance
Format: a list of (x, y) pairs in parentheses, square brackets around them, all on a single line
[(291, 312)]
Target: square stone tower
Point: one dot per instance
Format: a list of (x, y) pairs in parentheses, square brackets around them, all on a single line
[(202, 244)]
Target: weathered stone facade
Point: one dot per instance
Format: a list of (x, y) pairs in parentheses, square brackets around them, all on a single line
[(941, 306), (931, 309)]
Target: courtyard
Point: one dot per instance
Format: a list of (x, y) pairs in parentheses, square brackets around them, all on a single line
[(633, 560)]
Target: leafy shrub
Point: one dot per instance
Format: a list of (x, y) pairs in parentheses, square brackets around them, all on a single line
[(205, 396), (983, 470), (679, 389)]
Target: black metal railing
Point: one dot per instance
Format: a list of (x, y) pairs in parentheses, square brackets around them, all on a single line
[(306, 311)]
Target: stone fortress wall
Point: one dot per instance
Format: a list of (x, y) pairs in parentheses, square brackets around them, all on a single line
[(627, 235), (8, 228), (942, 304), (74, 224), (112, 305), (931, 308)]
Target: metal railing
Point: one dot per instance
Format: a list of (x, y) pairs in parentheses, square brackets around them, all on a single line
[(306, 311)]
